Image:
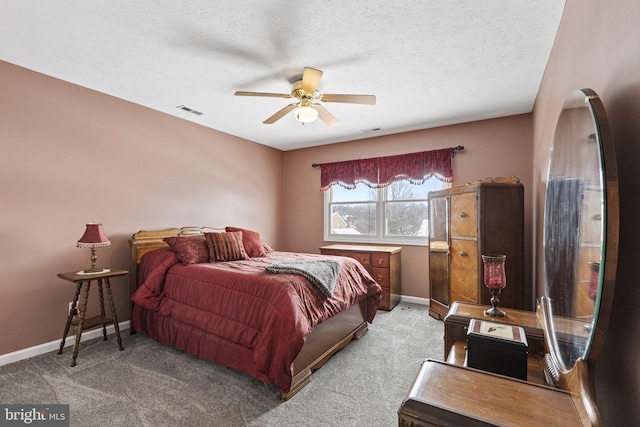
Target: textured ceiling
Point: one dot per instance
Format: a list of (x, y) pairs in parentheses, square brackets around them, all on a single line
[(430, 63)]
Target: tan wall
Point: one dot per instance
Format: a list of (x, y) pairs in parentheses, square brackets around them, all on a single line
[(500, 147), (71, 156), (597, 47)]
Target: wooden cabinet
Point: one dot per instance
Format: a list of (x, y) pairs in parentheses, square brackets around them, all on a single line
[(382, 262), (465, 223)]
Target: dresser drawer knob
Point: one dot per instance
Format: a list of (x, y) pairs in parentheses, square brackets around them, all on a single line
[(379, 277), (463, 253), (380, 261), (463, 215)]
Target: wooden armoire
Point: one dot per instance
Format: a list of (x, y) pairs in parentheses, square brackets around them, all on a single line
[(466, 222)]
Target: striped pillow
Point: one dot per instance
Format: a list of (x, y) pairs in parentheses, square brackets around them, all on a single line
[(251, 240), (225, 246)]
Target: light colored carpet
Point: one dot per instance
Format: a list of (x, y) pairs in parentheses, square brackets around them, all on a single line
[(148, 384)]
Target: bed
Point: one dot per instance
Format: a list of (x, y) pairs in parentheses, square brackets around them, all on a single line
[(275, 326)]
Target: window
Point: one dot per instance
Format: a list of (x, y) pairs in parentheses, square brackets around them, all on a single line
[(397, 213), (383, 199)]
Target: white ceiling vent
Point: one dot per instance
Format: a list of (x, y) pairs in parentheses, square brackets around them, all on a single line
[(191, 110), (372, 130)]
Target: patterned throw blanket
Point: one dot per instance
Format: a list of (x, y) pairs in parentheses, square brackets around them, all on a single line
[(321, 273)]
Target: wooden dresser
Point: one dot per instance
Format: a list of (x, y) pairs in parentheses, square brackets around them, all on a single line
[(382, 262), (467, 222), (450, 393)]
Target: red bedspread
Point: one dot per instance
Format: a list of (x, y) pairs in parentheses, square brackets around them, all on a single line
[(238, 301)]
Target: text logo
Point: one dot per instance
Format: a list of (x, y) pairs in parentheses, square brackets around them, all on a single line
[(34, 415)]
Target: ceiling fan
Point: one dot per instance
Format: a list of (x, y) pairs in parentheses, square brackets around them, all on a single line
[(305, 89)]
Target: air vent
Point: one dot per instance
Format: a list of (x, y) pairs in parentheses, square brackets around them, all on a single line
[(191, 110)]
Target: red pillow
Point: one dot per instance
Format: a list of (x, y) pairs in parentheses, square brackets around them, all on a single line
[(190, 249), (253, 245)]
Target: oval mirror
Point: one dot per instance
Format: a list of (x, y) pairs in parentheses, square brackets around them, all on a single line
[(580, 231)]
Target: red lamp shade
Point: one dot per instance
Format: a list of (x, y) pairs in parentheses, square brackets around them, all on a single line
[(94, 237)]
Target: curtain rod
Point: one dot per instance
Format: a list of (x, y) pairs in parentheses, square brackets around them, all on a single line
[(453, 154)]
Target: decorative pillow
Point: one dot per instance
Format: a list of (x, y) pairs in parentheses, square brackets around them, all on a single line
[(251, 241), (225, 246), (190, 249)]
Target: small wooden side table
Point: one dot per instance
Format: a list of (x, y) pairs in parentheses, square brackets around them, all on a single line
[(80, 279)]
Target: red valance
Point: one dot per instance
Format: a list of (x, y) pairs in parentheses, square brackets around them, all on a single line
[(379, 172)]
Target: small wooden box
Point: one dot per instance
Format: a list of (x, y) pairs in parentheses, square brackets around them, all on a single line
[(497, 348)]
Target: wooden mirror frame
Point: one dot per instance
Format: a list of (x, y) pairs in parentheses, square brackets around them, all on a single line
[(579, 376)]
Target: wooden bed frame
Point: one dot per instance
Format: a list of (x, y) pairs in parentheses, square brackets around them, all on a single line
[(323, 342)]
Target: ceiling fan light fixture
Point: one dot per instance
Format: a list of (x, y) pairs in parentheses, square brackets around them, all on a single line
[(304, 89), (306, 114)]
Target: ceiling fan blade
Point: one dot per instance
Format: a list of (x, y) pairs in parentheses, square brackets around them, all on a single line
[(272, 95), (280, 114), (310, 79), (324, 114), (349, 99)]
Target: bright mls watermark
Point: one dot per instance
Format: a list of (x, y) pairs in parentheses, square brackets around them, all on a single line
[(34, 415)]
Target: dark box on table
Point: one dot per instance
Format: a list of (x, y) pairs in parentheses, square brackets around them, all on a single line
[(498, 348)]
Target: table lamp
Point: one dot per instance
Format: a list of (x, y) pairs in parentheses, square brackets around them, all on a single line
[(94, 238)]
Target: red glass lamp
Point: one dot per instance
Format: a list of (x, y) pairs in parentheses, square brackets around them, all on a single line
[(94, 238), (495, 279)]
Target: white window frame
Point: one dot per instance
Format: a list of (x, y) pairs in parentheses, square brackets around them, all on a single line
[(379, 237)]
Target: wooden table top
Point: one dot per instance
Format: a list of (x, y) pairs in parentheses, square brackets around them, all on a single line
[(455, 395), (463, 312), (80, 276), (365, 248)]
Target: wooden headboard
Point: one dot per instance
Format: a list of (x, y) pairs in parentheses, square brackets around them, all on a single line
[(149, 240)]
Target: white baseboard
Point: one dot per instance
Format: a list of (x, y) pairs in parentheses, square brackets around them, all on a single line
[(37, 350), (414, 300)]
